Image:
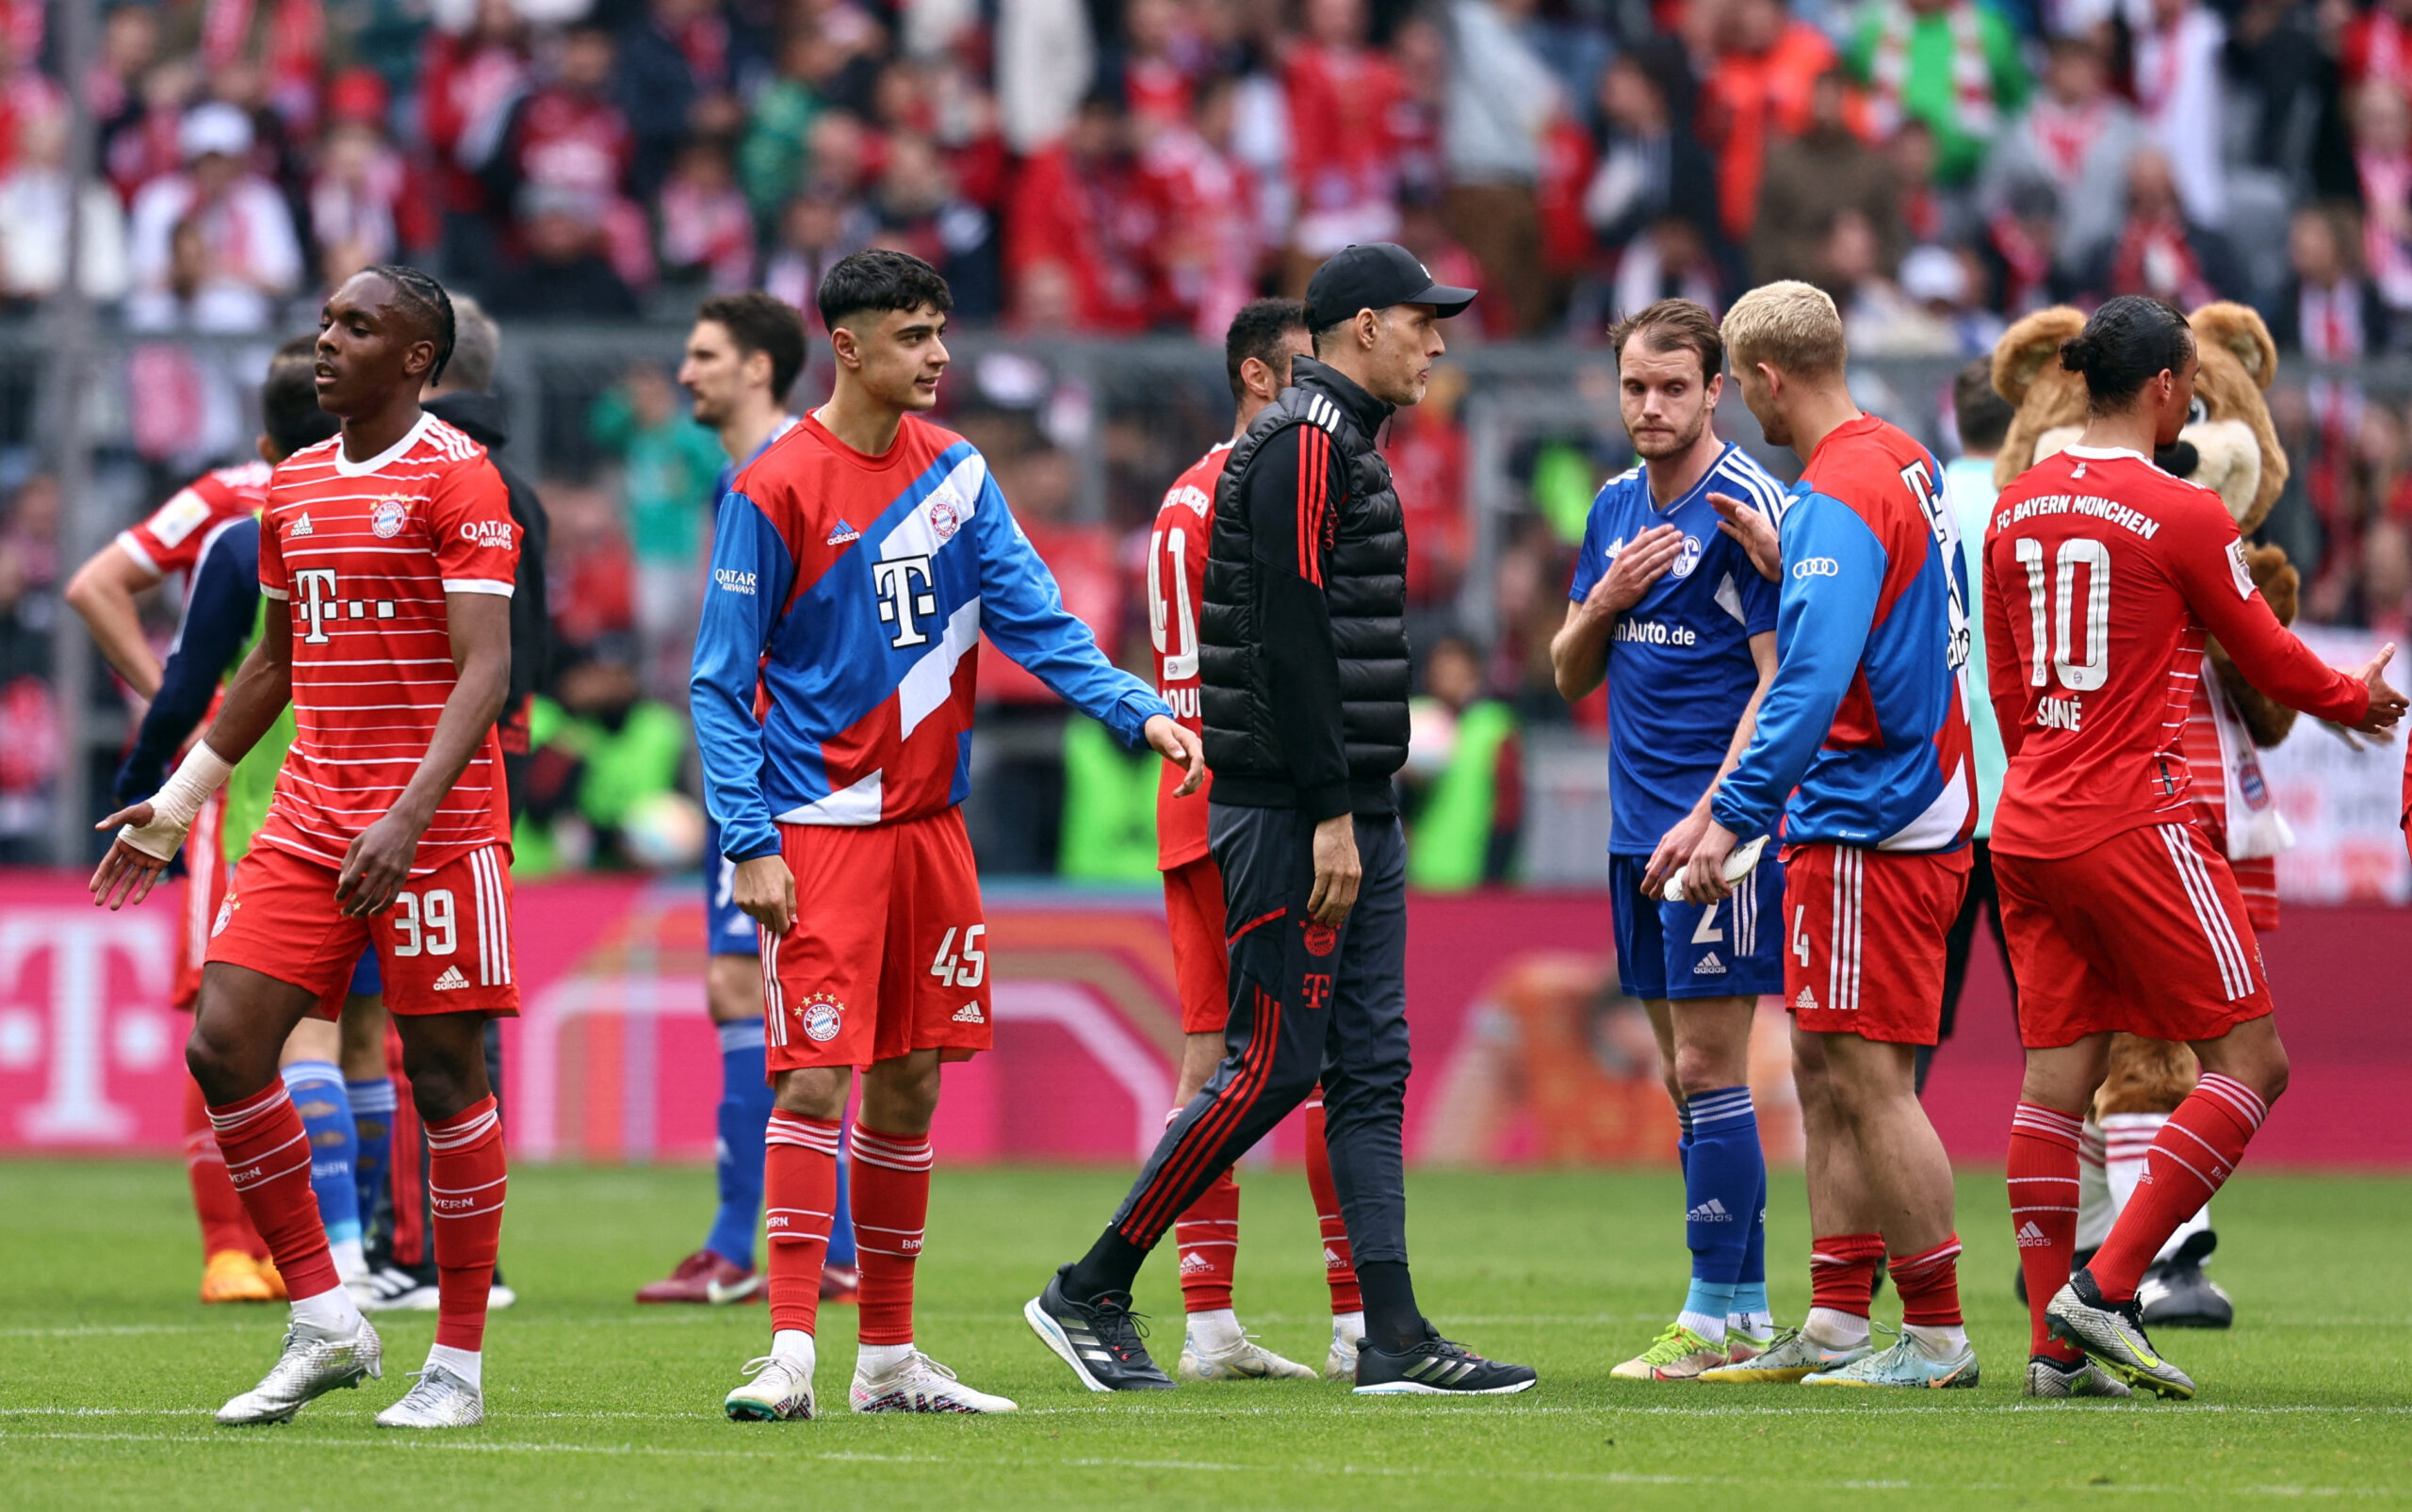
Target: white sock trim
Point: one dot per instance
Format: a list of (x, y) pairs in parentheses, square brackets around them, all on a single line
[(468, 1364), (1216, 1330), (1347, 1327), (1712, 1330), (795, 1345), (880, 1360), (331, 1315), (1835, 1330), (1938, 1340)]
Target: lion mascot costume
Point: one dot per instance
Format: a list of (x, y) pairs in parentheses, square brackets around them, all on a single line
[(2230, 446)]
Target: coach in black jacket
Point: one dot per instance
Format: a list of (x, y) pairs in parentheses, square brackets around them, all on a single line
[(1303, 656)]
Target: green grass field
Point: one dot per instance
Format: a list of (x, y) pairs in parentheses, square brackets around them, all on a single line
[(108, 1368)]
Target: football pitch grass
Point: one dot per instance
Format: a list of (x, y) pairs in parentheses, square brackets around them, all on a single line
[(109, 1368)]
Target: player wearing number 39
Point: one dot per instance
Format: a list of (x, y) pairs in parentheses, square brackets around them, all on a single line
[(1862, 746), (854, 566)]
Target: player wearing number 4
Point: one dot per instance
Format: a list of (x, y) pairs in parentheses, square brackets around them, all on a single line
[(2104, 576), (854, 567), (1669, 612), (1862, 747), (387, 556)]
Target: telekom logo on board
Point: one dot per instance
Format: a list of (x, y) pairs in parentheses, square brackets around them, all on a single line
[(61, 1020)]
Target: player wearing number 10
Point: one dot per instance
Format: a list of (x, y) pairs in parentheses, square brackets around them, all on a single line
[(854, 566), (2104, 575)]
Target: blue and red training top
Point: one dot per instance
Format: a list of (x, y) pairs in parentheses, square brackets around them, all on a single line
[(851, 591), (1863, 737)]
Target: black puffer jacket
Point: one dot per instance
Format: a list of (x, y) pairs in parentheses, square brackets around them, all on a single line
[(1302, 636)]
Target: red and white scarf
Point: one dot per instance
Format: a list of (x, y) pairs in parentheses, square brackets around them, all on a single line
[(1972, 74)]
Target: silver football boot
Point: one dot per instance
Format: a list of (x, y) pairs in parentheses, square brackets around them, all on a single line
[(439, 1400), (310, 1367)]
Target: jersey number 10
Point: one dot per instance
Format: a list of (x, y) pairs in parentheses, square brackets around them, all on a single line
[(2078, 676)]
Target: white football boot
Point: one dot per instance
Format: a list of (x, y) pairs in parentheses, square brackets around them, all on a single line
[(438, 1400), (921, 1383), (781, 1391), (309, 1367), (1246, 1360)]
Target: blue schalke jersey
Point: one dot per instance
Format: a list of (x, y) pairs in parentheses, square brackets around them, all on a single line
[(1679, 671)]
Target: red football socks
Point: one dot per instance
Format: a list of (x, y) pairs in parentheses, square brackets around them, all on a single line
[(1208, 1237), (268, 1159), (799, 1200), (465, 1182), (1339, 1262), (891, 1203), (2043, 1213), (1929, 1282), (2191, 1159), (1842, 1271), (224, 1223)]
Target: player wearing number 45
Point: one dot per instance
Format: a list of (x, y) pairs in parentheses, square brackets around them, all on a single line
[(1862, 747), (1669, 610), (854, 566)]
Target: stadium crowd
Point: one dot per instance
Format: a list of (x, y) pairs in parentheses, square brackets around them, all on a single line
[(1134, 165)]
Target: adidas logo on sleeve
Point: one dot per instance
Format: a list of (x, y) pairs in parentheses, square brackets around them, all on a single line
[(451, 981)]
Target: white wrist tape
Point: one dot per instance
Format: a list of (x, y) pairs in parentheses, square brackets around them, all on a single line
[(175, 805)]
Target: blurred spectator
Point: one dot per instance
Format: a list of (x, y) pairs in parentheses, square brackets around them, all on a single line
[(815, 231), (363, 205), (1344, 149), (667, 467), (239, 256), (706, 227), (471, 82), (2383, 170), (34, 198), (1812, 177), (138, 144), (2076, 137), (2376, 46), (1426, 451), (921, 211), (129, 45), (1673, 259), (1953, 64), (1078, 231), (565, 274), (1767, 67), (1463, 778), (1502, 101), (1163, 58), (2020, 246), (1209, 241), (2283, 78), (1650, 162), (590, 572), (1880, 318), (2161, 250), (2178, 49), (31, 739), (772, 158), (1948, 284), (568, 141), (26, 93), (672, 68), (1046, 65), (2326, 310)]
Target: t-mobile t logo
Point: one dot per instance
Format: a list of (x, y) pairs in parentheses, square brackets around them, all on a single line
[(900, 604), (317, 606)]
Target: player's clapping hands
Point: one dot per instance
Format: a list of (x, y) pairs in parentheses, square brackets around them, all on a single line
[(1643, 560), (1750, 524)]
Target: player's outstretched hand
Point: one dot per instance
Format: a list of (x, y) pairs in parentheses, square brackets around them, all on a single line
[(1337, 872), (1704, 872), (1750, 524), (1674, 851), (1172, 741), (126, 875), (2387, 705), (1644, 560), (376, 866), (764, 890)]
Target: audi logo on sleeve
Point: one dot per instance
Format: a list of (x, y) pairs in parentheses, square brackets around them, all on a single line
[(1816, 567)]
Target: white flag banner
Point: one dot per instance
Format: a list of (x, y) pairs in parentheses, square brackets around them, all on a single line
[(2344, 805)]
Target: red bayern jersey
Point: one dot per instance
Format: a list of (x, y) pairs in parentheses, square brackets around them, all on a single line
[(2104, 576), (168, 543), (1175, 587), (366, 553)]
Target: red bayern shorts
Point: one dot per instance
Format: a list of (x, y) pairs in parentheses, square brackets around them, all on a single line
[(887, 953), (2146, 933), (1864, 939), (444, 947), (205, 889), (1202, 958)]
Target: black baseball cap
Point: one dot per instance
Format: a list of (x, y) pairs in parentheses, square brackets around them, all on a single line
[(1375, 275)]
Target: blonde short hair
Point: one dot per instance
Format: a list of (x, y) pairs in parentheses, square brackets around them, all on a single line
[(1789, 325)]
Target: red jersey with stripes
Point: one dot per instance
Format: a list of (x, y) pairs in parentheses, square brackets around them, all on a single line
[(2104, 576), (1175, 586), (366, 553), (168, 543)]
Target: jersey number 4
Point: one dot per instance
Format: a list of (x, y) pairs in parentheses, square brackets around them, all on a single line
[(964, 968), (2080, 670)]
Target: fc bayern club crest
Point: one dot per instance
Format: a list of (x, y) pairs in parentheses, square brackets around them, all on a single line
[(387, 517), (944, 520), (1321, 937), (820, 1015)]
